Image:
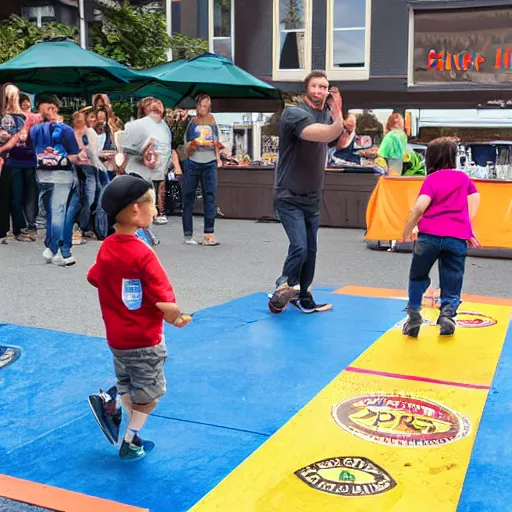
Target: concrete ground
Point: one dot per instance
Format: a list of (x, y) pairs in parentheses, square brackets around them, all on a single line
[(248, 260)]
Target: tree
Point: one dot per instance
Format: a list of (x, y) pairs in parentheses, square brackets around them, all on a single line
[(138, 37), (132, 36), (18, 34), (184, 47)]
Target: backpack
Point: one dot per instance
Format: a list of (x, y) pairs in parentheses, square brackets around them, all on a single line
[(50, 152)]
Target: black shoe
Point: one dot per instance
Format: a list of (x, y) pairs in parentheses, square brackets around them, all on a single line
[(412, 324), (447, 324), (308, 305), (107, 413)]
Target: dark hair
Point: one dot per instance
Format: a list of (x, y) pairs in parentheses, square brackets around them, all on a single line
[(441, 154), (313, 74), (47, 98), (201, 96), (24, 97)]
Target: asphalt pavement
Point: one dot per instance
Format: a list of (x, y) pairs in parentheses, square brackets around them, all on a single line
[(248, 260)]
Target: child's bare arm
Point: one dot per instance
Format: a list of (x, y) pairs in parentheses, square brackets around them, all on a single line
[(170, 310), (473, 204), (422, 203)]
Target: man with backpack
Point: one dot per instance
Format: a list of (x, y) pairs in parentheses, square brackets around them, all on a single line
[(56, 151)]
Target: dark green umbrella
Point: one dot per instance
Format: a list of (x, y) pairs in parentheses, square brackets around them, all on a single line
[(62, 66), (210, 74)]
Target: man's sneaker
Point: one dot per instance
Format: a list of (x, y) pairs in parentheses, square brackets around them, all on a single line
[(308, 305), (107, 413), (136, 450), (61, 261), (209, 240), (190, 240), (161, 219), (48, 255)]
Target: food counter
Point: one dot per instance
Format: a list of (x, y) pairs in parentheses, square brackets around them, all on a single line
[(246, 192), (394, 197)]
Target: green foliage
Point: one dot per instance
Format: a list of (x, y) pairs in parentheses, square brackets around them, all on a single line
[(184, 47), (18, 34), (132, 36), (124, 110)]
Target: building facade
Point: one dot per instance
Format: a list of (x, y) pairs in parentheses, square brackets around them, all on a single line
[(380, 53)]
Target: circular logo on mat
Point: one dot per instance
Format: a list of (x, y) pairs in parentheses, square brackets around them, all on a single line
[(473, 319), (346, 476), (400, 420)]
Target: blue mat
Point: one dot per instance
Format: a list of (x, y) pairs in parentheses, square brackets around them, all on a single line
[(487, 485), (235, 375)]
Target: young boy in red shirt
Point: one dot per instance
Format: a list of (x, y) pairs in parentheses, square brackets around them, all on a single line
[(135, 298)]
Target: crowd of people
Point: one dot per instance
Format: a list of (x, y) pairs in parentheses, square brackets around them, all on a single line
[(53, 172)]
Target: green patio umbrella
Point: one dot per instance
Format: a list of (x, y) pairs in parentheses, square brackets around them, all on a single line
[(62, 66), (210, 74)]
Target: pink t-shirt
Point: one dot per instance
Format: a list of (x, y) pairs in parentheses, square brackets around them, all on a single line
[(448, 213)]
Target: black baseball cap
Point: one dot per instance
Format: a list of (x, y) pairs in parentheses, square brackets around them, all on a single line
[(122, 191)]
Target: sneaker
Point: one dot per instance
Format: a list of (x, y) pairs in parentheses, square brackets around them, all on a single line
[(209, 239), (161, 219), (413, 323), (61, 261), (48, 255), (135, 450), (447, 325), (107, 413), (308, 305), (78, 238), (190, 240)]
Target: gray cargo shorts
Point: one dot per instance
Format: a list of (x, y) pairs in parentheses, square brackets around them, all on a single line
[(140, 372)]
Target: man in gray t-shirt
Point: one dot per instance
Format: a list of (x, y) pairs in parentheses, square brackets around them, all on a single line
[(305, 131)]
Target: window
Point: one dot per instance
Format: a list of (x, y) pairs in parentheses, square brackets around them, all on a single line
[(348, 41), (292, 39), (221, 27)]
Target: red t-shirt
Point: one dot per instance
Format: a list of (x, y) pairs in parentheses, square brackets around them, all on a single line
[(130, 281)]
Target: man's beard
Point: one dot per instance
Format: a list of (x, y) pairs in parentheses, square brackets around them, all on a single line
[(318, 104)]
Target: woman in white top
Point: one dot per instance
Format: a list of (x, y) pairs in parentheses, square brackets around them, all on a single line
[(89, 165)]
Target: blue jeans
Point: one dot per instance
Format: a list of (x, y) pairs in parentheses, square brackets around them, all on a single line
[(206, 174), (451, 254), (300, 217), (88, 187), (61, 199)]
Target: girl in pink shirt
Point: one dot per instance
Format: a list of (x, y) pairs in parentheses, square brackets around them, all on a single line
[(447, 202)]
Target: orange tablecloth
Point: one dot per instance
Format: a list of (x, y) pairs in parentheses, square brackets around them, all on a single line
[(393, 198)]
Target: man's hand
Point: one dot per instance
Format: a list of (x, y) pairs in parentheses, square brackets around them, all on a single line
[(474, 243), (335, 104)]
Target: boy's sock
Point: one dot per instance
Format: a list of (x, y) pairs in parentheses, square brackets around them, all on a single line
[(137, 421)]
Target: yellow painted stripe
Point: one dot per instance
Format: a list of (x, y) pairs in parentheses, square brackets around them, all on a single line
[(426, 477), (469, 357)]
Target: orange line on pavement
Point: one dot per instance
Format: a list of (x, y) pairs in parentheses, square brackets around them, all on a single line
[(41, 495), (386, 293)]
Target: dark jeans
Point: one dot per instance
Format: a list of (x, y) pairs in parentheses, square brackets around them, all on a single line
[(23, 199), (5, 201), (88, 189), (451, 254), (206, 174), (300, 217)]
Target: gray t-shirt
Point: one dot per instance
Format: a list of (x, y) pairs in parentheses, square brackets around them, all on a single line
[(205, 131), (137, 135), (301, 164)]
